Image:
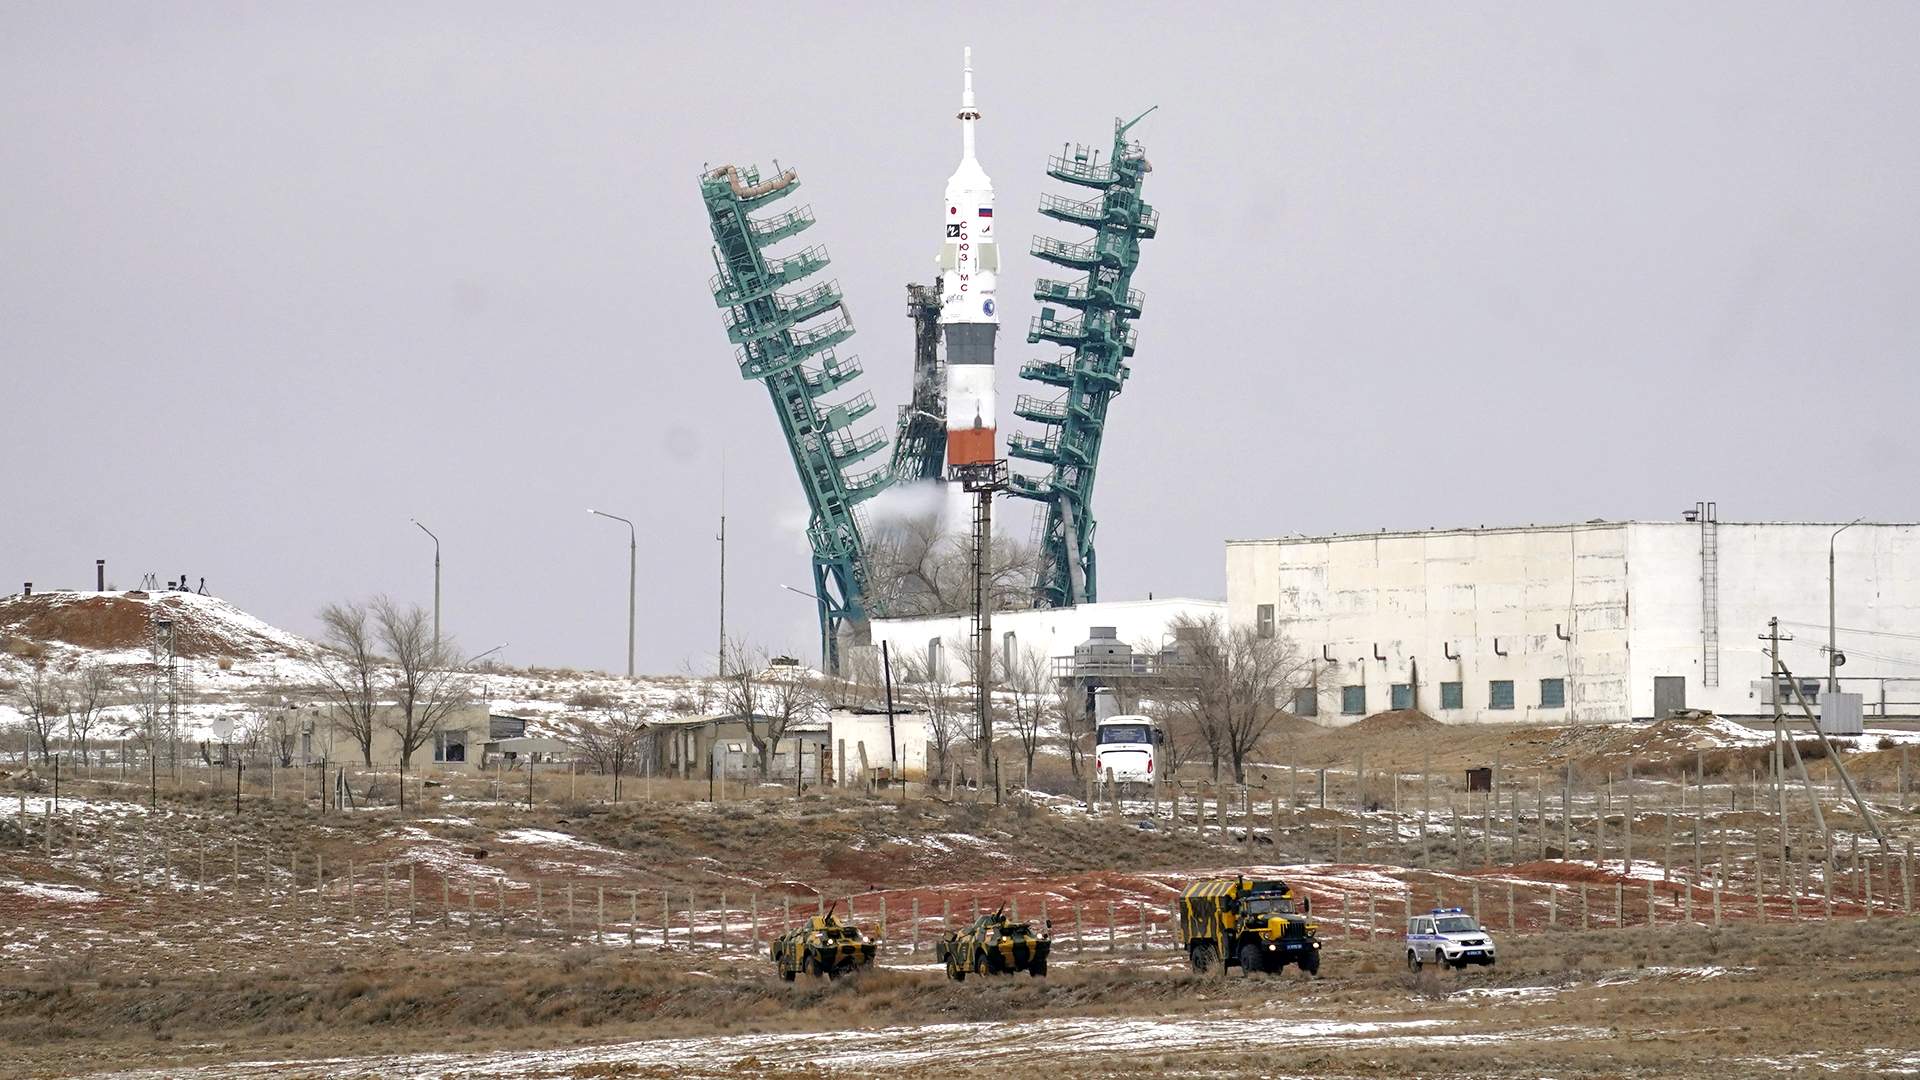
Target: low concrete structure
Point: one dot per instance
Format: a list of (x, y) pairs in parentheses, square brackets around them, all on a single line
[(894, 750), (470, 740), (687, 746)]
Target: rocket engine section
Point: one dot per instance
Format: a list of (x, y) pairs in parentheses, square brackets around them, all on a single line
[(969, 262)]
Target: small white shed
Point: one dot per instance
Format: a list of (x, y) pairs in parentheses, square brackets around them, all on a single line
[(896, 746)]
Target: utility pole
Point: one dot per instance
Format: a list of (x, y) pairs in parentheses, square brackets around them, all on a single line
[(722, 654), (436, 581), (633, 572), (983, 479), (1833, 647), (1779, 730)]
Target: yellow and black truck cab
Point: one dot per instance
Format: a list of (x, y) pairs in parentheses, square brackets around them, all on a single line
[(1255, 924)]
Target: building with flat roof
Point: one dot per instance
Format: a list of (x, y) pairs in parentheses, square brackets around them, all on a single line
[(1595, 621)]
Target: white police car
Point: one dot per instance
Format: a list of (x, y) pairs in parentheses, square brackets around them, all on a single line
[(1447, 936)]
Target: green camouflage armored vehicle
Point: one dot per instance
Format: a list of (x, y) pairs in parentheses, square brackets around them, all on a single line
[(1255, 925), (824, 946), (990, 945)]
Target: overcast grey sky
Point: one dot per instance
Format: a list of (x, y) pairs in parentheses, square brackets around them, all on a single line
[(275, 278)]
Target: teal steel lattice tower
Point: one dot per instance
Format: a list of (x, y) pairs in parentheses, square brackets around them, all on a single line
[(1097, 330), (786, 340)]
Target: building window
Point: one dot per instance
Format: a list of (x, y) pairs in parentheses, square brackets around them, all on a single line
[(1263, 621), (1306, 701), (1353, 700), (1451, 697), (933, 660), (1008, 659), (1402, 695), (450, 746), (1500, 694), (1553, 693)]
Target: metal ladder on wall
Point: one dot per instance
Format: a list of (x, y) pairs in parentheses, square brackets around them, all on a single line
[(1709, 595)]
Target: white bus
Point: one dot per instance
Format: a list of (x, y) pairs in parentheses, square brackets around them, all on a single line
[(1129, 746)]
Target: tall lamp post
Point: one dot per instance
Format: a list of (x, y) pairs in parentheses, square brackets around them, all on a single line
[(436, 580), (815, 597), (633, 571), (1833, 653)]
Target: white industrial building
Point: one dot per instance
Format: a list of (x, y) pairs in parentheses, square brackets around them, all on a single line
[(1604, 620), (930, 643)]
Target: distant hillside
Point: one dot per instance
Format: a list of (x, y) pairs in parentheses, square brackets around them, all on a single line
[(117, 627)]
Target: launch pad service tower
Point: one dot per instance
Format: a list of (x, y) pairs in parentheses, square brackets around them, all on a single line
[(969, 262)]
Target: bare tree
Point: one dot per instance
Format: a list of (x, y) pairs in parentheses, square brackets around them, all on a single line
[(1227, 683), (89, 693), (768, 700), (349, 671), (427, 687), (1028, 673), (917, 566), (38, 698), (281, 729), (945, 708), (612, 739), (861, 681)]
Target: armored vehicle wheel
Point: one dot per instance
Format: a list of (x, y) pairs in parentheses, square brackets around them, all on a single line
[(954, 972), (1310, 961), (786, 975), (1037, 969), (1413, 962), (1251, 960), (1204, 957)]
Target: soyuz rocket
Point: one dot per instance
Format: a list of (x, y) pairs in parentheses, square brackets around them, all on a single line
[(969, 260)]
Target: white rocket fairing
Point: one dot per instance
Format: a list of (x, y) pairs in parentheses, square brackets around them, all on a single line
[(969, 261)]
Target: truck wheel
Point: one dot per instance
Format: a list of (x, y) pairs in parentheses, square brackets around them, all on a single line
[(1250, 962), (1413, 962), (1310, 961), (1203, 957)]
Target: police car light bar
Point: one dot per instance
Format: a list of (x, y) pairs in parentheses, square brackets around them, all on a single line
[(1448, 911)]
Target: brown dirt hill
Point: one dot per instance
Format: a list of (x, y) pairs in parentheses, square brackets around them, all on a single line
[(1394, 722), (204, 626)]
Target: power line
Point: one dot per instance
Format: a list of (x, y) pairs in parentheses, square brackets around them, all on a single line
[(1852, 630)]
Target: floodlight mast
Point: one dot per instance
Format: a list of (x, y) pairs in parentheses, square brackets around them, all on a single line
[(633, 572)]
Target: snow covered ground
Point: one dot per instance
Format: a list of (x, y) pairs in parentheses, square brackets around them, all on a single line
[(1067, 1040)]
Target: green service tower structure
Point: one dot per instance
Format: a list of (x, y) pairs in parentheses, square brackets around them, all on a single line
[(786, 340), (1097, 329)]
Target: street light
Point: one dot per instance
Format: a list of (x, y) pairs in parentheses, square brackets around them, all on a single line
[(1833, 654), (475, 658), (436, 579), (816, 599), (633, 571)]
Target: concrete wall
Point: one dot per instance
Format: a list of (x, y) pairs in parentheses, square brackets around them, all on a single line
[(1423, 609), (850, 729), (1606, 606), (335, 743), (1051, 631), (1765, 570)]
